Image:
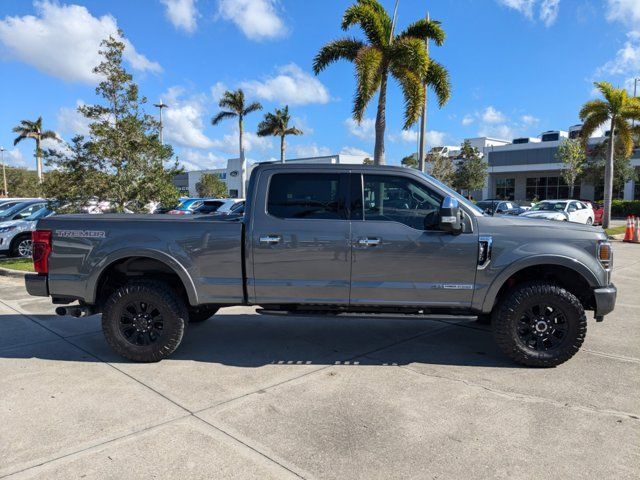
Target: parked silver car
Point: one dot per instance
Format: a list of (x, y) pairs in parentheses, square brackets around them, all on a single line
[(15, 235)]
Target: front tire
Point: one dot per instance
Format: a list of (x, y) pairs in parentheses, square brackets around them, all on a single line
[(144, 321), (589, 221), (540, 324)]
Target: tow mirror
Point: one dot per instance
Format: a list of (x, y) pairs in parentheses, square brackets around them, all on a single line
[(450, 216)]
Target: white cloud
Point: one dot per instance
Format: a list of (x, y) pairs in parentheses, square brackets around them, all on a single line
[(290, 86), (71, 121), (627, 59), (183, 14), (491, 115), (467, 120), (197, 160), (434, 137), (15, 158), (183, 120), (501, 131), (624, 11), (311, 150), (549, 11), (257, 19), (217, 90), (529, 120), (229, 143), (364, 130), (63, 41), (354, 151)]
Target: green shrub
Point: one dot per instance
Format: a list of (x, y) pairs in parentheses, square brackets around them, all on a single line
[(623, 208)]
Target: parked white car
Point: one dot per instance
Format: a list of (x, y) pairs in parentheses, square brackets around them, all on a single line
[(562, 210), (15, 235)]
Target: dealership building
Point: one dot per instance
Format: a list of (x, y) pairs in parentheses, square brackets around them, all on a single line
[(522, 169)]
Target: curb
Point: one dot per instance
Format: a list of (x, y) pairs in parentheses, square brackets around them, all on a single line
[(8, 272)]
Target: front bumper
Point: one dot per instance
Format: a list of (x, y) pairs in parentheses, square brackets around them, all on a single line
[(37, 285), (605, 300)]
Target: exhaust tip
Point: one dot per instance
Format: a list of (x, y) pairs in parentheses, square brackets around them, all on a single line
[(62, 311)]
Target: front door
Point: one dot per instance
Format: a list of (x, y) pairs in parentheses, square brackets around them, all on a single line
[(399, 255), (301, 240)]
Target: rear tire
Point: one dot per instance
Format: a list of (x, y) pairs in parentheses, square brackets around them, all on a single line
[(21, 246), (540, 324), (200, 314), (144, 321), (589, 221)]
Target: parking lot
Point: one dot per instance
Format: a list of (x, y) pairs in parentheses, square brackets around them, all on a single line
[(257, 396)]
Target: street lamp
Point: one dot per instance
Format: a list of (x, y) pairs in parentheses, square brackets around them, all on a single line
[(4, 172), (161, 105)]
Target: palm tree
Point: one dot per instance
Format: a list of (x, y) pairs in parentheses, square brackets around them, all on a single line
[(617, 109), (277, 124), (403, 56), (235, 105), (30, 129)]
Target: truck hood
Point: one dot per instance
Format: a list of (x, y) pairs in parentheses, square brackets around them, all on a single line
[(539, 226)]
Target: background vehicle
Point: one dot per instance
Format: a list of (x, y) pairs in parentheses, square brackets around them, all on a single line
[(329, 238), (500, 207), (222, 206), (15, 235), (598, 211), (21, 210), (186, 205), (562, 210)]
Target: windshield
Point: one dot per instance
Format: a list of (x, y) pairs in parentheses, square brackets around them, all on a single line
[(452, 193), (485, 205), (549, 207), (6, 206), (43, 212), (15, 208)]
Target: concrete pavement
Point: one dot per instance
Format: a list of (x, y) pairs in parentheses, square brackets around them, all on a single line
[(254, 396)]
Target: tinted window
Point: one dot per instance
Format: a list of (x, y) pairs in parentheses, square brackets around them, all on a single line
[(399, 199), (305, 195)]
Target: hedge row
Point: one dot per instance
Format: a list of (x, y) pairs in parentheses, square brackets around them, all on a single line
[(623, 208)]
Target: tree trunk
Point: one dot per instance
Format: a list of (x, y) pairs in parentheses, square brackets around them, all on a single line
[(423, 133), (282, 147), (39, 161), (571, 190), (378, 152), (241, 174), (608, 178)]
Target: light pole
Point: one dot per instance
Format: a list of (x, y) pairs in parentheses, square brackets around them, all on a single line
[(161, 106), (4, 172)]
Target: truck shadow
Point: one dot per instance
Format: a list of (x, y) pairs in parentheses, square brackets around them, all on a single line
[(250, 341)]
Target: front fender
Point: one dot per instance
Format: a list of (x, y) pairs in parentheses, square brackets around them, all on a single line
[(485, 302)]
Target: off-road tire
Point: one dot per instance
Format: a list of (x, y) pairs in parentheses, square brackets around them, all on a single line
[(507, 315), (200, 314), (14, 249), (168, 304)]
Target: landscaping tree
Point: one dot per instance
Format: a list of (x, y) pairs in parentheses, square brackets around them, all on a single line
[(236, 107), (441, 167), (277, 124), (471, 173), (31, 129), (403, 56), (211, 186), (594, 168), (123, 160), (572, 154), (22, 182), (409, 161), (617, 110)]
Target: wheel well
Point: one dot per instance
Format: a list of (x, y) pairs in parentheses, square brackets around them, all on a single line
[(567, 278), (122, 271)]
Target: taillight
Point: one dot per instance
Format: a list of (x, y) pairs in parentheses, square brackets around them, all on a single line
[(41, 249)]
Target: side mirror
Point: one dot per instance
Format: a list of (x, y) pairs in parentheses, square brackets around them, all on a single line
[(450, 216)]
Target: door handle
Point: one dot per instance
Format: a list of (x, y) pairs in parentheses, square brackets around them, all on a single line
[(270, 239), (369, 242)]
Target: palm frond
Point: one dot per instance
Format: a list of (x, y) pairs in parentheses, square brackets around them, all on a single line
[(438, 78), (268, 126), (372, 19), (425, 30), (232, 100), (593, 107), (591, 123), (18, 139), (222, 116), (369, 74), (413, 92), (50, 134), (341, 49), (623, 136), (293, 131), (409, 53), (253, 107)]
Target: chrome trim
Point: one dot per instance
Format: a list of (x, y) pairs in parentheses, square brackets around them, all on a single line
[(489, 242)]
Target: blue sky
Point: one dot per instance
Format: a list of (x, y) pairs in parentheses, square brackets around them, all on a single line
[(518, 67)]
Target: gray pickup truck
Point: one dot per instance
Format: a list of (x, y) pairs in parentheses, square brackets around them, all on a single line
[(330, 239)]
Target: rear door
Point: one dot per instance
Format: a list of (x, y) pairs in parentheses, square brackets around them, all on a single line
[(400, 257), (300, 238)]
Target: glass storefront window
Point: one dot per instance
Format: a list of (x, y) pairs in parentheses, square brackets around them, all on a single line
[(543, 188), (506, 188)]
